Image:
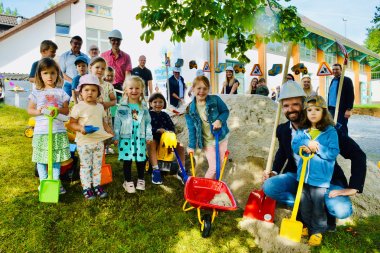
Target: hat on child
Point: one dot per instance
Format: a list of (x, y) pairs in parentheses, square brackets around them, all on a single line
[(316, 101), (89, 79), (80, 59)]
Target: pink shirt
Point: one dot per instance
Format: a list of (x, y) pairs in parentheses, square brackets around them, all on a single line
[(120, 65)]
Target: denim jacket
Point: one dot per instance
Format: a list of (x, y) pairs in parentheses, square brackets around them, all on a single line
[(123, 122), (216, 109)]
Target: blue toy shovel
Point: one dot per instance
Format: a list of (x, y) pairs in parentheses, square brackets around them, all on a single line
[(90, 129), (49, 188)]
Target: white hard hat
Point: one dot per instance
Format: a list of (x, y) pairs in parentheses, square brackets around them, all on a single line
[(230, 68), (175, 69), (115, 34), (199, 73), (291, 89)]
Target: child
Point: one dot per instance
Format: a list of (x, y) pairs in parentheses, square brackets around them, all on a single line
[(262, 88), (109, 75), (90, 144), (316, 135), (46, 94), (133, 131), (47, 49), (161, 122), (107, 99), (82, 68), (204, 115)]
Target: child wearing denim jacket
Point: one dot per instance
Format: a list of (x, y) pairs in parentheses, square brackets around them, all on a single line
[(204, 115), (316, 135), (133, 132)]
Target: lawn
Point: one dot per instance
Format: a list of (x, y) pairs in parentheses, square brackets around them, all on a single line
[(152, 221), (368, 106)]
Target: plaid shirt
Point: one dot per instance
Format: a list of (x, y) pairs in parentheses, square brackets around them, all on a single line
[(120, 64)]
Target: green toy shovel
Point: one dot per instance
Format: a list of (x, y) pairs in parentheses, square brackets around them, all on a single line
[(49, 188)]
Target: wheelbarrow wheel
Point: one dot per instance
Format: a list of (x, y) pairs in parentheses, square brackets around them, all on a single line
[(207, 226)]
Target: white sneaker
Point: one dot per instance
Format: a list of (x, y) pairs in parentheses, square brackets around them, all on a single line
[(140, 185), (129, 187), (110, 151)]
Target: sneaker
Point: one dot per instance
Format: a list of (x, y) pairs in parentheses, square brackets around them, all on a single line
[(129, 187), (62, 190), (89, 194), (100, 192), (305, 232), (140, 185), (156, 177), (315, 239), (110, 151)]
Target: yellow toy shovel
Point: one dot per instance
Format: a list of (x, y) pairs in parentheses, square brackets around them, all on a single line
[(291, 228)]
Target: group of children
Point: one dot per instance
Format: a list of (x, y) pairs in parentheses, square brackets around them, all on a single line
[(138, 129)]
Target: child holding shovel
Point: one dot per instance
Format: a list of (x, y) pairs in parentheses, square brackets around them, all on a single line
[(204, 115), (46, 94), (88, 119), (316, 135)]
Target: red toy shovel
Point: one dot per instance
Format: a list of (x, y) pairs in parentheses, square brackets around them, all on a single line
[(260, 207)]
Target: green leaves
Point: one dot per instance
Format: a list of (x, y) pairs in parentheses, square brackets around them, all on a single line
[(238, 19)]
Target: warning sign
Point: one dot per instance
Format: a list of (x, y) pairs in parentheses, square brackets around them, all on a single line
[(206, 67), (256, 71), (167, 61), (324, 69)]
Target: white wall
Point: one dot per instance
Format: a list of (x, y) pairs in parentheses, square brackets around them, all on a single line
[(78, 22), (19, 51)]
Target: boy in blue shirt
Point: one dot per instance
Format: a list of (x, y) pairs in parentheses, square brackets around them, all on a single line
[(82, 68)]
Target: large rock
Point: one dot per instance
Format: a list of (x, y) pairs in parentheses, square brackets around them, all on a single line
[(251, 123)]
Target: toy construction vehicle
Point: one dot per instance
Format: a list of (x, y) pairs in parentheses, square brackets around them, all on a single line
[(193, 64), (239, 68), (298, 68), (275, 70)]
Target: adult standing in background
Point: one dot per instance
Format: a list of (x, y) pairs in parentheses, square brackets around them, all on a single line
[(145, 74), (93, 51), (307, 87), (231, 84), (346, 99), (253, 86), (118, 60), (177, 88), (66, 62)]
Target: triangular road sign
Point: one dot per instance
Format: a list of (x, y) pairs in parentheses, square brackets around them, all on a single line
[(206, 67), (256, 71), (324, 69)]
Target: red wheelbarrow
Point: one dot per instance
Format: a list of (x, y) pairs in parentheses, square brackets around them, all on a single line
[(200, 193)]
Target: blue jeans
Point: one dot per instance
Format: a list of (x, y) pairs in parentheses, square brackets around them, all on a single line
[(42, 170), (283, 188)]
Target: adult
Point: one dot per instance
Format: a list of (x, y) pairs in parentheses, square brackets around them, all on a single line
[(289, 77), (231, 84), (66, 62), (145, 74), (307, 87), (253, 86), (176, 88), (346, 99), (118, 60), (93, 51), (262, 88), (283, 187)]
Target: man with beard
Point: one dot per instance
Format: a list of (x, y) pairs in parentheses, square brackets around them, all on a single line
[(283, 187)]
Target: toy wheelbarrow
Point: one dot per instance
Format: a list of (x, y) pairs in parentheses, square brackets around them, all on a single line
[(291, 228), (201, 193)]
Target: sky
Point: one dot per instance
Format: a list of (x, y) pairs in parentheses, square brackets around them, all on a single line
[(329, 13)]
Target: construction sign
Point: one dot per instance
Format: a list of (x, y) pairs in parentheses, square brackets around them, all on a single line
[(167, 61), (256, 71), (324, 69), (206, 67)]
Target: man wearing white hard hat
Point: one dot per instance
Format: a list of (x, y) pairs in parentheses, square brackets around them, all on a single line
[(118, 60), (177, 88), (283, 187)]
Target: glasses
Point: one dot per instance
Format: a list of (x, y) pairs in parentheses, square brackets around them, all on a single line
[(76, 43), (115, 40)]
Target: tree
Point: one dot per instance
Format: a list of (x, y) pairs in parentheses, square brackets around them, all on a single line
[(244, 22), (52, 3), (373, 38), (7, 10)]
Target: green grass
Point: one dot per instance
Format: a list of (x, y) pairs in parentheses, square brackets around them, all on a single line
[(152, 221), (368, 106)]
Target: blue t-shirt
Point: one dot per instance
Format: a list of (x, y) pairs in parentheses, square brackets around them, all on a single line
[(33, 70), (75, 82), (333, 91)]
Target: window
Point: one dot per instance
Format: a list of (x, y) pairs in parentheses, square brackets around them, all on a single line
[(62, 29), (330, 58), (99, 38), (307, 54), (362, 67), (277, 48), (98, 10)]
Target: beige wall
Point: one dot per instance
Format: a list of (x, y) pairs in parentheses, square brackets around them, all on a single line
[(99, 23)]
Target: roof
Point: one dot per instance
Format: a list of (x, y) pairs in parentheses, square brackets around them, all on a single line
[(36, 18), (318, 29), (10, 20)]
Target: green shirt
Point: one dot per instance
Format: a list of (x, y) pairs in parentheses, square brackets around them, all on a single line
[(208, 138), (314, 132)]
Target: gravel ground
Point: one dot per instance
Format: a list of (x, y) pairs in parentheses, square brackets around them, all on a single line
[(365, 130)]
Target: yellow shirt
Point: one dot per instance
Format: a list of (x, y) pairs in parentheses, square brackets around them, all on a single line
[(90, 115)]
